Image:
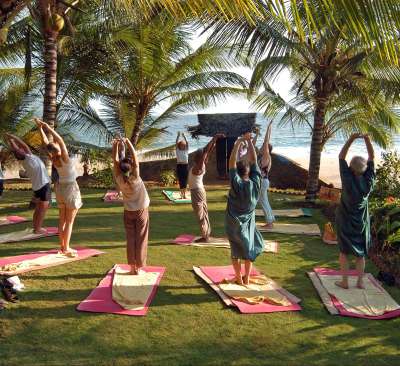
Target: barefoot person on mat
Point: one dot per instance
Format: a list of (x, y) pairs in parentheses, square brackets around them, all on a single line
[(136, 203), (68, 195), (240, 221), (265, 165), (197, 191), (352, 216), (36, 171), (182, 161)]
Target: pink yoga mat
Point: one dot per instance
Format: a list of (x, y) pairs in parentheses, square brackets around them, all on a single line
[(218, 274), (184, 239), (111, 196), (83, 253), (339, 306), (13, 220), (100, 299)]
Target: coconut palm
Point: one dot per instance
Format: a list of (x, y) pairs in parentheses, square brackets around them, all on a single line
[(149, 65), (323, 66)]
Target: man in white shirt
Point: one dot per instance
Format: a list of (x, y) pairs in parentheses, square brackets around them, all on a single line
[(36, 171)]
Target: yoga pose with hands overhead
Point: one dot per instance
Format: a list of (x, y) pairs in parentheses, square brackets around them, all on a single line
[(136, 203), (36, 171), (265, 166), (197, 191), (240, 224), (352, 215), (182, 163), (68, 194)]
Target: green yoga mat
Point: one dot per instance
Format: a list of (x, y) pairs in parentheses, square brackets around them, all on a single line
[(175, 196), (295, 212)]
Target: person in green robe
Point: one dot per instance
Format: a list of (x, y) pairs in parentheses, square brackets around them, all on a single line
[(352, 215), (245, 240)]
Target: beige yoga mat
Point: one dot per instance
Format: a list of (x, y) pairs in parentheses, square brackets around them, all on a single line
[(46, 260), (371, 301), (300, 229), (296, 212), (23, 235), (132, 291), (261, 289), (270, 246)]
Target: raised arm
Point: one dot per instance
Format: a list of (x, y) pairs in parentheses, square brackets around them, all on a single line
[(210, 147), (57, 138), (177, 138), (115, 156), (346, 146), (233, 158), (39, 123), (135, 160), (17, 144), (251, 152), (370, 148), (256, 136)]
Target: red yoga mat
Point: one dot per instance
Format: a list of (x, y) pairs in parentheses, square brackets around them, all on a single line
[(339, 306), (111, 197), (218, 274), (83, 253), (100, 299)]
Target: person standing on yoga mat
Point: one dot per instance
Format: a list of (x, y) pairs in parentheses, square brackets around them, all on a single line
[(352, 215), (36, 171), (197, 191), (265, 164), (240, 221), (136, 204), (68, 195), (182, 161)]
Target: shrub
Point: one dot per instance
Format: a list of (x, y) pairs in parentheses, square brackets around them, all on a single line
[(168, 178), (104, 177), (388, 176)]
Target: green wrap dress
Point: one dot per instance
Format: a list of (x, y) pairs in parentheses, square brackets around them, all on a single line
[(240, 221), (352, 215)]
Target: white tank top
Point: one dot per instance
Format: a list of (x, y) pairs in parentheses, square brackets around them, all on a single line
[(66, 172), (182, 156), (196, 181)]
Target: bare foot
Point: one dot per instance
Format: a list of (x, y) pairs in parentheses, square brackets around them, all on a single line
[(342, 284), (246, 280), (239, 280), (202, 240), (268, 226), (71, 253), (40, 231), (360, 284)]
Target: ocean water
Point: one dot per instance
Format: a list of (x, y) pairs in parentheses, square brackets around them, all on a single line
[(288, 141)]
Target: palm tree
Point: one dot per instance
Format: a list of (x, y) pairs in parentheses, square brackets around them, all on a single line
[(147, 65), (324, 65)]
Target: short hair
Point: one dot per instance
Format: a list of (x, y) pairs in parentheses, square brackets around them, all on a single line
[(358, 165), (182, 145), (243, 168), (125, 165)]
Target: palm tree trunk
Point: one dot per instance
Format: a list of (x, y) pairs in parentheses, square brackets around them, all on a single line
[(50, 66), (316, 149)]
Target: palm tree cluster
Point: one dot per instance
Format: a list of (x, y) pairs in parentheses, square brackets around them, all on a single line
[(135, 56)]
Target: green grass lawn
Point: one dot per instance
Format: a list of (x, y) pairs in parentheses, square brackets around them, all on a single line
[(187, 324)]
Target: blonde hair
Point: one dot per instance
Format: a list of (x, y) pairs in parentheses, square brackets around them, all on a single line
[(358, 165)]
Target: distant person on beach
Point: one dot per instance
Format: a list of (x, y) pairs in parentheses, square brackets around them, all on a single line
[(240, 221), (37, 173), (197, 191), (352, 216), (136, 204), (265, 165), (182, 163), (68, 194)]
